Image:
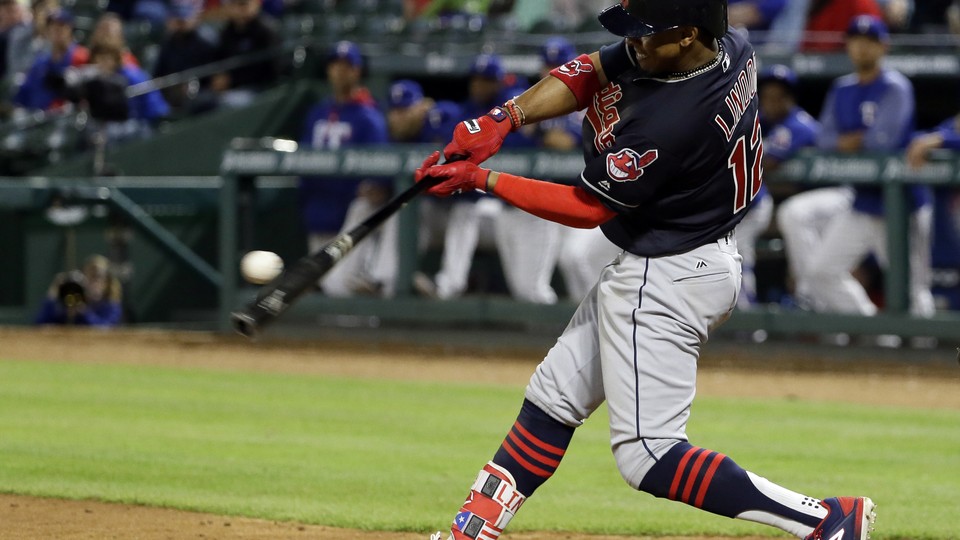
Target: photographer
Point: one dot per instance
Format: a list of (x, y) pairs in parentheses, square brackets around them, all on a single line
[(91, 297), (101, 88), (42, 89)]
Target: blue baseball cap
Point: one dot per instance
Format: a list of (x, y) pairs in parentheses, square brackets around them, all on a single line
[(557, 51), (869, 26), (346, 50), (778, 73), (404, 93), (487, 65)]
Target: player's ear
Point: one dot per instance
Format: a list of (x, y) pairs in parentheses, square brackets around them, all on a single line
[(688, 35)]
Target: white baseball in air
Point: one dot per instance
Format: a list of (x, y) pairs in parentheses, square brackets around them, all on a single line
[(259, 267)]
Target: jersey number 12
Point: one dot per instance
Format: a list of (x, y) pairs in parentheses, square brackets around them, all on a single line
[(747, 181)]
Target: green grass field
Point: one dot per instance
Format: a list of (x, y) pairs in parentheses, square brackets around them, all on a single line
[(391, 455)]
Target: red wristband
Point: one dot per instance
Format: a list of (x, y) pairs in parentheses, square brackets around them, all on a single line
[(580, 76)]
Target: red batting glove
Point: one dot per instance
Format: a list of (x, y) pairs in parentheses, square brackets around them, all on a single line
[(480, 138), (457, 177), (431, 160)]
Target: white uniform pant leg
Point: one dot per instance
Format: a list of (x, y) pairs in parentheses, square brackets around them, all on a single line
[(459, 245), (750, 228), (341, 279), (374, 259), (802, 220), (528, 248), (655, 314), (850, 236), (567, 385), (583, 254), (921, 274), (635, 341)]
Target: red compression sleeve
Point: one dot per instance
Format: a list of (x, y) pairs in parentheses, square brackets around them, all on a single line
[(567, 205), (581, 78)]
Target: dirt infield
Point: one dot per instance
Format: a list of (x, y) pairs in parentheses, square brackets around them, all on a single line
[(726, 370)]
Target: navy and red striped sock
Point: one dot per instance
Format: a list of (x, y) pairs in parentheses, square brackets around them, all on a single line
[(533, 448), (713, 482)]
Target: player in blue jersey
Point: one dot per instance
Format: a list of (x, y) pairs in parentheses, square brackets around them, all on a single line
[(489, 85), (349, 117), (673, 151), (871, 109), (946, 216), (414, 118), (786, 129)]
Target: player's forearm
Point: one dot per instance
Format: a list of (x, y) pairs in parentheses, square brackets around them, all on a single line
[(567, 205), (550, 97)]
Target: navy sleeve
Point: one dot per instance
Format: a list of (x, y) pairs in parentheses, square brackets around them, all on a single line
[(616, 59)]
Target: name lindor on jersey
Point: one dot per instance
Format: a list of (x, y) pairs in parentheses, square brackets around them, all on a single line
[(739, 97)]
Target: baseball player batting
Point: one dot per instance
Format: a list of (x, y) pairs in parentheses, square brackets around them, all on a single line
[(673, 148)]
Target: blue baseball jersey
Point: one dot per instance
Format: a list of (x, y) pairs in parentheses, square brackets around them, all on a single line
[(330, 125), (678, 159), (440, 122), (782, 140), (883, 110), (948, 129), (946, 210)]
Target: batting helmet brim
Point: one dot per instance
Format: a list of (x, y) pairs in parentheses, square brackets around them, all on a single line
[(620, 23)]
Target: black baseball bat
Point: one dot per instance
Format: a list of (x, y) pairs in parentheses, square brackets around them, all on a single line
[(274, 298)]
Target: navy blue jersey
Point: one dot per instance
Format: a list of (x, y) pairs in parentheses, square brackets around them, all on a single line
[(678, 159)]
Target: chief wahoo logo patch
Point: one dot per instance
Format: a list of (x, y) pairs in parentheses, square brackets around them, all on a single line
[(627, 165)]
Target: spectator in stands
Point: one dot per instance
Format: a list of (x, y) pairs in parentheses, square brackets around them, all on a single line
[(143, 110), (412, 9), (15, 38), (247, 31), (349, 117), (43, 87), (88, 297), (187, 45), (897, 13), (871, 109), (754, 14), (827, 20), (40, 11), (109, 29), (786, 129)]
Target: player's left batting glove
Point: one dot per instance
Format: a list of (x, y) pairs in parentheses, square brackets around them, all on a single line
[(456, 177), (480, 138)]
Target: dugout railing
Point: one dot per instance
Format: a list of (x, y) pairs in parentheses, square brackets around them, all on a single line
[(241, 168)]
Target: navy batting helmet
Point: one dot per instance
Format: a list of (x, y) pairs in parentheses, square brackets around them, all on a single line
[(638, 18)]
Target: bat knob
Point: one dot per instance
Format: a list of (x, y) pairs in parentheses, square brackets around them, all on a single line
[(244, 324)]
